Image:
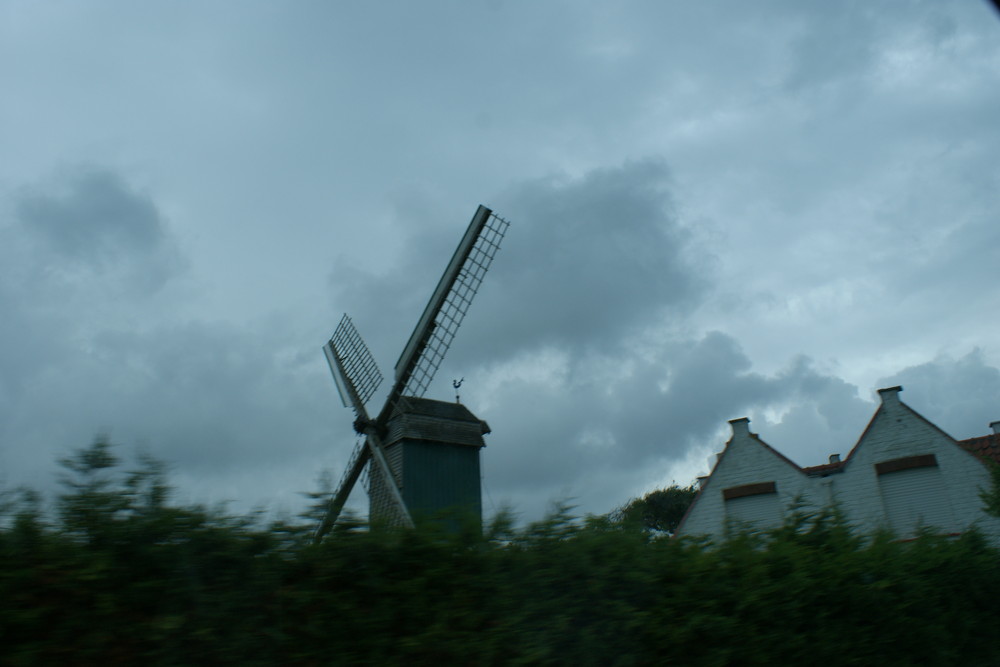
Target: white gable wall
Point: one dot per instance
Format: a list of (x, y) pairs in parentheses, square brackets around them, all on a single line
[(947, 493), (895, 432), (747, 460)]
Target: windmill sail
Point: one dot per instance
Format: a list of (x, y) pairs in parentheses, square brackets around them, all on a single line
[(353, 367), (357, 377), (448, 304)]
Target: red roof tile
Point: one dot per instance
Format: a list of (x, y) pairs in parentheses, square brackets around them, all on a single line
[(986, 448), (824, 469)]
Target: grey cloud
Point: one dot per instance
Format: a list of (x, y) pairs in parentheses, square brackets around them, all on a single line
[(91, 345), (79, 254), (711, 381), (558, 436), (585, 262), (90, 217), (962, 395), (95, 215), (947, 264), (235, 415), (215, 398), (823, 415), (589, 259), (834, 42)]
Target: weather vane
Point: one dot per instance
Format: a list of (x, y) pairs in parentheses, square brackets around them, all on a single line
[(456, 384)]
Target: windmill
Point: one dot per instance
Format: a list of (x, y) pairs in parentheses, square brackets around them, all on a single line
[(417, 455)]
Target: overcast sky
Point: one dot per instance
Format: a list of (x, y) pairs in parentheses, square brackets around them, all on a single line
[(718, 210)]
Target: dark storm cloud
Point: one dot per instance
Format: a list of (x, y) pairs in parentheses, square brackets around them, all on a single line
[(81, 253), (711, 381), (91, 346), (223, 404), (90, 217), (962, 395), (559, 436), (585, 261), (95, 215), (217, 404), (589, 259)]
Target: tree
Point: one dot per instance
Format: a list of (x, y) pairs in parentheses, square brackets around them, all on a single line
[(93, 501), (660, 510), (991, 496)]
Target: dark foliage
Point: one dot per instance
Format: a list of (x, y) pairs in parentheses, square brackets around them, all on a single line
[(660, 510), (121, 576), (991, 496)]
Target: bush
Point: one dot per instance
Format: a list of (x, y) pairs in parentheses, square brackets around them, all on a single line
[(120, 575)]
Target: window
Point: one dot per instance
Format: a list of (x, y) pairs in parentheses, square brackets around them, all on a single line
[(753, 505), (914, 495)]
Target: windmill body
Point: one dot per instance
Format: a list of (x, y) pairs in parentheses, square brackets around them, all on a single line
[(419, 457), (432, 448)]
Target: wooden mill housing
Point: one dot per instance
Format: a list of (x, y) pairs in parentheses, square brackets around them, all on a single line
[(432, 448)]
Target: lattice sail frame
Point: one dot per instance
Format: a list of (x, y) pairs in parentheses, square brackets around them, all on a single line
[(449, 318), (383, 507), (359, 456), (360, 373)]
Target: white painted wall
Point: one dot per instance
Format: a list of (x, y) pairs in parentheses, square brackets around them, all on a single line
[(746, 460), (947, 494)]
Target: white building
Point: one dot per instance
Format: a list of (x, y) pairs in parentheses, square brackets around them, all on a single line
[(903, 473)]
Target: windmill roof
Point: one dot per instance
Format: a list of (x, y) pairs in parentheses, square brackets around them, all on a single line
[(427, 407), (435, 421)]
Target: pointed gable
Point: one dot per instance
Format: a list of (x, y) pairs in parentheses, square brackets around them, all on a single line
[(750, 483), (906, 473), (903, 473)]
